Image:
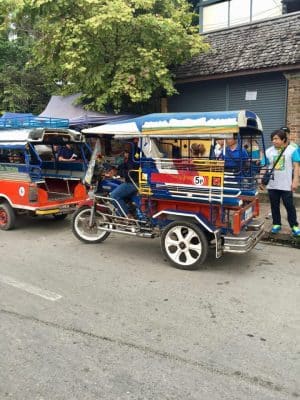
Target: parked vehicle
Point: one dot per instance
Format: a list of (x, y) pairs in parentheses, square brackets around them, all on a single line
[(32, 179), (190, 202)]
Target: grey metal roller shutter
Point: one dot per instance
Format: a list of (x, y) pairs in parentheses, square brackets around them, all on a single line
[(270, 103), (200, 96), (230, 94)]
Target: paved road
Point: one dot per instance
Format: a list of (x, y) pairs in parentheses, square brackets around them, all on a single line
[(115, 321)]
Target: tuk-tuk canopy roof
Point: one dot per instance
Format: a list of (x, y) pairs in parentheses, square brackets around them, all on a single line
[(202, 124), (23, 136)]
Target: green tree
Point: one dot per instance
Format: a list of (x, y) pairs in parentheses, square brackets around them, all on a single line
[(114, 52), (23, 86), (195, 4)]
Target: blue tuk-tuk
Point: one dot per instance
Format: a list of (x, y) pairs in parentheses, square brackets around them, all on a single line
[(196, 188)]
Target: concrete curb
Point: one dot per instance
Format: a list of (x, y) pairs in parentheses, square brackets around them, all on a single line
[(281, 239)]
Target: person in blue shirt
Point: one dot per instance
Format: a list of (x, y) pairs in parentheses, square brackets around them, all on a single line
[(66, 153), (128, 171), (235, 156)]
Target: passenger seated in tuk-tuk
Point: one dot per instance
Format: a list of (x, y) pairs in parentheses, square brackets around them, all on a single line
[(253, 150), (56, 149), (197, 150), (235, 157), (15, 157), (218, 149), (66, 153)]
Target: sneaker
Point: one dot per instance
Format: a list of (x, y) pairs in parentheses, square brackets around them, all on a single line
[(296, 231), (276, 228)]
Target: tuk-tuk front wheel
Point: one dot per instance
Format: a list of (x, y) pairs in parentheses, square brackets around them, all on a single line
[(7, 216), (185, 245), (84, 230)]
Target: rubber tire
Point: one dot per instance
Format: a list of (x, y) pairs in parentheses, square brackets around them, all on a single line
[(198, 237), (98, 238), (8, 212)]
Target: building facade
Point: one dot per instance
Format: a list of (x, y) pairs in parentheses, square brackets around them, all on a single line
[(252, 66)]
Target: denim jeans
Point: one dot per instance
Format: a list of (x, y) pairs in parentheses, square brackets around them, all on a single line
[(287, 198), (122, 192)]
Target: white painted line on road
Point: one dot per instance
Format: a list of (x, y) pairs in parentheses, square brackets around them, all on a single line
[(46, 294)]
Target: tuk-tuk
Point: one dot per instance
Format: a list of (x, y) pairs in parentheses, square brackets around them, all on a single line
[(189, 198), (32, 178)]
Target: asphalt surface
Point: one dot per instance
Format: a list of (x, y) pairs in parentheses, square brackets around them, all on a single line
[(115, 321)]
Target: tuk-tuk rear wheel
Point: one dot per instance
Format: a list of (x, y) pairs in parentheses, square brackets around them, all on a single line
[(7, 217), (185, 245), (82, 229)]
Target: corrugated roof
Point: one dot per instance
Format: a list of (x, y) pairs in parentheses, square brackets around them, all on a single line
[(264, 45)]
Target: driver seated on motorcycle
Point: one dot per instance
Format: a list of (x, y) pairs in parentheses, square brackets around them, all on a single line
[(127, 171), (111, 172)]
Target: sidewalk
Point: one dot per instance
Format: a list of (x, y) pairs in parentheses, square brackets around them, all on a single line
[(285, 237)]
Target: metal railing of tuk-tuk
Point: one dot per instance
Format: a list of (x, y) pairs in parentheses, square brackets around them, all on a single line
[(32, 122), (175, 178)]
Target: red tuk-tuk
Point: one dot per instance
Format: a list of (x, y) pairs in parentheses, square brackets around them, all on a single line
[(32, 178)]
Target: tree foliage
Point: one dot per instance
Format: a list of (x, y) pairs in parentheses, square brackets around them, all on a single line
[(114, 52), (23, 86)]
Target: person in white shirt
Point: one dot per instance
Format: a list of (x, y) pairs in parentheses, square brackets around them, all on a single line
[(285, 180)]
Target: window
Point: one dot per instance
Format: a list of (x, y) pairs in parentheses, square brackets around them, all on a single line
[(291, 6), (239, 12), (218, 14), (266, 9), (215, 17), (226, 13)]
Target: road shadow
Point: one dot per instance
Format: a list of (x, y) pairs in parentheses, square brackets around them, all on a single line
[(146, 250), (25, 222)]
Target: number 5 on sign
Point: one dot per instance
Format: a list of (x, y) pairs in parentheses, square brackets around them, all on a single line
[(198, 180)]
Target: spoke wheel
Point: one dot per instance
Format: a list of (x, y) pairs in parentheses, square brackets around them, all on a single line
[(7, 217), (84, 231), (185, 245)]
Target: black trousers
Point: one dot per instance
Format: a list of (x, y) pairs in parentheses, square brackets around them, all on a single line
[(287, 198)]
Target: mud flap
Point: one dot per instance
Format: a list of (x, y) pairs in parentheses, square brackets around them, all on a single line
[(218, 238)]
